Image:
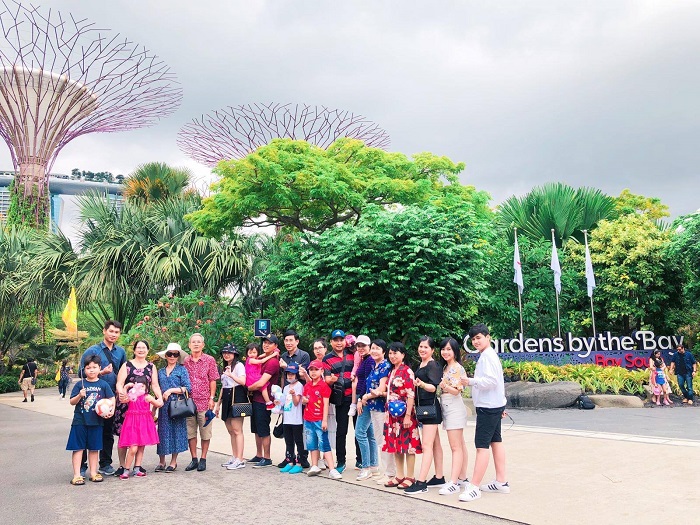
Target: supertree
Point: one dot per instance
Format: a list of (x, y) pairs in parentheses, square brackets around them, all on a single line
[(60, 78), (236, 131)]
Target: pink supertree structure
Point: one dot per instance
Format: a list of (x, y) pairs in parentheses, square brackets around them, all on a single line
[(60, 78), (236, 131)]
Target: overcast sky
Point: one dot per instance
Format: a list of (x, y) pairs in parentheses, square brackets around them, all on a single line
[(597, 93)]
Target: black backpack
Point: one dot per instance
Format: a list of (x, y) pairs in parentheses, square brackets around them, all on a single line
[(584, 402)]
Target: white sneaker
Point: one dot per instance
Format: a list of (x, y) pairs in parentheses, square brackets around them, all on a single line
[(353, 410), (449, 488), (462, 483), (364, 474), (229, 462), (496, 486), (471, 492), (322, 464), (334, 474), (236, 465), (313, 471)]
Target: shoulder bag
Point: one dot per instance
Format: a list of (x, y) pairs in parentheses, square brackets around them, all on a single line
[(181, 406), (278, 431), (425, 412)]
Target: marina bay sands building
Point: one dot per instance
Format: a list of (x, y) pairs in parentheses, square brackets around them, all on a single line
[(63, 198)]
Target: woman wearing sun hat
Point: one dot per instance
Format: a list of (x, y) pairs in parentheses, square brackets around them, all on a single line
[(174, 380)]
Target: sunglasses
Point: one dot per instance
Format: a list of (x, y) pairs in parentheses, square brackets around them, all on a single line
[(172, 354)]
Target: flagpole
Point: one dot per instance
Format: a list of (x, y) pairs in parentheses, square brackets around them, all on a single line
[(519, 283), (556, 290), (585, 236)]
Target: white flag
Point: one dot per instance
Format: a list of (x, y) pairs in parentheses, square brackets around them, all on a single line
[(554, 265), (518, 278), (590, 278)]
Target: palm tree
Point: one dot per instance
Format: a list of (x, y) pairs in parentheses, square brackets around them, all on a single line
[(155, 181), (136, 254), (559, 207)]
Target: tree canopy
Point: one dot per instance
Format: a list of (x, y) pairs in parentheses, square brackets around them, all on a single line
[(295, 185), (394, 274)]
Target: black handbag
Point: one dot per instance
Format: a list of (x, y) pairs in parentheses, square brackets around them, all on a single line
[(181, 407), (241, 409), (278, 431), (425, 412)]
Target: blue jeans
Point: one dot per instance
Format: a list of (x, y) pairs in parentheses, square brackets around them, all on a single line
[(364, 433), (685, 382)]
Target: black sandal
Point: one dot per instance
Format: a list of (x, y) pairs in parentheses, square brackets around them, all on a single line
[(160, 468), (170, 468)]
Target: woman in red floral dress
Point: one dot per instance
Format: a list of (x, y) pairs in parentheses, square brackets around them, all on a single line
[(401, 436)]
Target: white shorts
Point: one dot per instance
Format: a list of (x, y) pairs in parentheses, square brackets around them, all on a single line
[(454, 412)]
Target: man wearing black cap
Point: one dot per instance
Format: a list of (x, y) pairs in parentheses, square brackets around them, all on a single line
[(338, 369), (260, 420)]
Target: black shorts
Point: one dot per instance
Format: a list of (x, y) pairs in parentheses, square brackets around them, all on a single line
[(260, 420), (488, 426)]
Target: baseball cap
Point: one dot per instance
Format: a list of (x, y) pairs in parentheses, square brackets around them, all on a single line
[(292, 368), (316, 364), (363, 339), (209, 417), (272, 338), (337, 333)]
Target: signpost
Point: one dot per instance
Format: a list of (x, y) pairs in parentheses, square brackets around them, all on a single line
[(262, 328)]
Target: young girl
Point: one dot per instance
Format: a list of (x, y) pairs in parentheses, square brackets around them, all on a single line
[(138, 429), (293, 424), (658, 380), (253, 370)]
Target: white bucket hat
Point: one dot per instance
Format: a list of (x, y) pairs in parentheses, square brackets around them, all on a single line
[(170, 348)]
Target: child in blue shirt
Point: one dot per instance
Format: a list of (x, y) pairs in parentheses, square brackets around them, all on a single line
[(86, 428)]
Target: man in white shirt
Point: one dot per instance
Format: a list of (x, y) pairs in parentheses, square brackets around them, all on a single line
[(489, 398)]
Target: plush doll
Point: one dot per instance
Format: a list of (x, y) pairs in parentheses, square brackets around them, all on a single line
[(278, 399)]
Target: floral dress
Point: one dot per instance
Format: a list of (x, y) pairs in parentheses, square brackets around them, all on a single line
[(131, 374), (397, 439)]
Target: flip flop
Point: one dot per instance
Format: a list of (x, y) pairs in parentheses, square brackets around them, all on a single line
[(394, 482), (407, 482), (97, 478), (78, 480)]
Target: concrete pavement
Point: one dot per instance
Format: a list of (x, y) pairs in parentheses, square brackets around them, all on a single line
[(594, 471)]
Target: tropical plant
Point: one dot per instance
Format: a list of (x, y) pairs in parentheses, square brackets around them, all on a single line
[(558, 207), (154, 182)]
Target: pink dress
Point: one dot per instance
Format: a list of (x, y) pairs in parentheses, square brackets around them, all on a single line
[(138, 427)]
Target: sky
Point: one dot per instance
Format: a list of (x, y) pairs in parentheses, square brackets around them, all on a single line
[(599, 93)]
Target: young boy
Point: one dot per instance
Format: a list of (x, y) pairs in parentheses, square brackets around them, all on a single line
[(489, 398), (316, 400), (293, 423), (86, 428)]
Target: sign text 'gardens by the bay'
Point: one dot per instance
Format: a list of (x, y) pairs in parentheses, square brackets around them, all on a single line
[(629, 351)]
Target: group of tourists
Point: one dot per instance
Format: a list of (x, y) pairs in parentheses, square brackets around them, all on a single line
[(683, 364), (396, 410)]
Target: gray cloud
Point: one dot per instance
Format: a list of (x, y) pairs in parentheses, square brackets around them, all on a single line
[(595, 93)]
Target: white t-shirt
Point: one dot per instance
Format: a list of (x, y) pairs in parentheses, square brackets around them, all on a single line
[(238, 371), (292, 413), (488, 390)]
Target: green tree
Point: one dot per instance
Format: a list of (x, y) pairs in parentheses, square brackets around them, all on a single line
[(638, 282), (155, 181), (627, 203), (395, 274), (135, 254), (559, 207), (295, 185)]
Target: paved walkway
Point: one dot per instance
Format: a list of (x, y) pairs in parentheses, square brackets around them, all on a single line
[(558, 475)]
